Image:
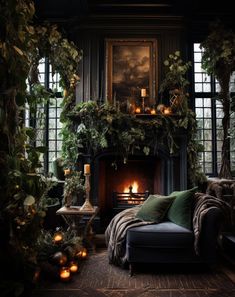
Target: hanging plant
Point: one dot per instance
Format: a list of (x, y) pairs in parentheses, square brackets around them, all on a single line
[(22, 45), (218, 59), (175, 82)]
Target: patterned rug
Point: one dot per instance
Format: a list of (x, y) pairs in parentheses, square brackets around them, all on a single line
[(97, 278)]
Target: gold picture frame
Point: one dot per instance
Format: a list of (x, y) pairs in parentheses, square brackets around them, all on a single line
[(131, 68)]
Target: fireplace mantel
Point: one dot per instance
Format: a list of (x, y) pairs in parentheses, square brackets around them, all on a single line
[(159, 145)]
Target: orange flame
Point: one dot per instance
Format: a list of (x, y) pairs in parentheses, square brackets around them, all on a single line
[(135, 187)]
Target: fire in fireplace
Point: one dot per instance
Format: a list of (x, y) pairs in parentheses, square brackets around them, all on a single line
[(129, 197)]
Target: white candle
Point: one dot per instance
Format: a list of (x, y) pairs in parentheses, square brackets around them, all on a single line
[(143, 92), (87, 169)]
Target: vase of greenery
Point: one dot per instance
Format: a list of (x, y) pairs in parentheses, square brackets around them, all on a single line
[(175, 82), (73, 188), (218, 59)]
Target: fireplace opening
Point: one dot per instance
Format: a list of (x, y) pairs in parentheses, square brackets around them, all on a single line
[(128, 184), (129, 198)]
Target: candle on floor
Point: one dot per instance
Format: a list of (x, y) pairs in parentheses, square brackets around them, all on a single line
[(57, 237), (64, 273), (73, 266)]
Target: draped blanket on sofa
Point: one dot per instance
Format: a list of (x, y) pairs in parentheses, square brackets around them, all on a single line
[(115, 234)]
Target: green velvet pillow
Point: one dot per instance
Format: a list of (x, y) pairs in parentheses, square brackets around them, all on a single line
[(180, 211), (155, 208)]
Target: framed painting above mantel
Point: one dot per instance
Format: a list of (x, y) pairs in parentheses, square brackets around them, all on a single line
[(131, 71)]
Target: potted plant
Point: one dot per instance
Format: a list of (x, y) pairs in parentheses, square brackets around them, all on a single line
[(175, 82), (73, 188), (218, 59)]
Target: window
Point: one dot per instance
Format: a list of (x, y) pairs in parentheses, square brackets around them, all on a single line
[(48, 131), (209, 114)]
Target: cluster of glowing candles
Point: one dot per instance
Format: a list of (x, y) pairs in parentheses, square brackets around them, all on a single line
[(72, 267)]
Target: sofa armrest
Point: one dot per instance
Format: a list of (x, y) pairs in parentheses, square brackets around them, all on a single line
[(211, 227)]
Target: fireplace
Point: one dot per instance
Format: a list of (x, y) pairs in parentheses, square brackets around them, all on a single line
[(141, 175)]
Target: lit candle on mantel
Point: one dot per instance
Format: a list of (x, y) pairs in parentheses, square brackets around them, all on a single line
[(137, 110), (167, 111), (143, 92), (153, 111), (87, 169)]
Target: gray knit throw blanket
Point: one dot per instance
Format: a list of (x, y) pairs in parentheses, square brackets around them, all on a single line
[(115, 234)]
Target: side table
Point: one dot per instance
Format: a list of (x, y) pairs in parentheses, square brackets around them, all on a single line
[(73, 216)]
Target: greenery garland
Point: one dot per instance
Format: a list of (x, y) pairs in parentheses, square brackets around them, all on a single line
[(99, 127)]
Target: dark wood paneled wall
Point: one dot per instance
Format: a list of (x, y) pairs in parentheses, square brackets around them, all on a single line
[(90, 37)]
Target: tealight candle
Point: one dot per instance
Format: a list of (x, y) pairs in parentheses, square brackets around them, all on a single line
[(167, 110), (137, 110), (64, 273), (73, 266), (87, 169), (57, 237), (83, 253), (153, 111)]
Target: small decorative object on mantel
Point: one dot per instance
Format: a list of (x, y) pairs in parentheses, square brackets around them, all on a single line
[(87, 204), (167, 111), (160, 108), (153, 111), (138, 110)]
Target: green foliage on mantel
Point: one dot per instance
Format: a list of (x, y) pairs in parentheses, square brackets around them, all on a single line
[(95, 128)]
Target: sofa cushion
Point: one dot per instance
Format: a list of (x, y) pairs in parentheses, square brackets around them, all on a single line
[(164, 235), (180, 211), (155, 208)]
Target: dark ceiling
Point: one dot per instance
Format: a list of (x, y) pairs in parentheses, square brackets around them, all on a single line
[(65, 10)]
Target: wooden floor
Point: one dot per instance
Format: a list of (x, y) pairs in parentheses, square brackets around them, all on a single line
[(97, 278)]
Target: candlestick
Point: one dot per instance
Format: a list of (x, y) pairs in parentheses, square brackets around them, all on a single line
[(87, 205), (143, 105), (87, 169)]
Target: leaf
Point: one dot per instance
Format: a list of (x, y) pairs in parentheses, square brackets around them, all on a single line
[(18, 50)]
